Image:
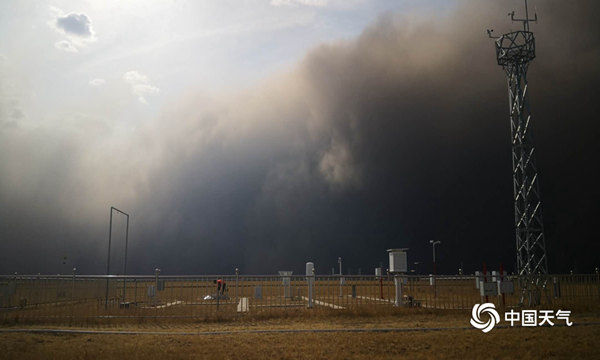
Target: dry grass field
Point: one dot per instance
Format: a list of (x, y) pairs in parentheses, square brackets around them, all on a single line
[(540, 343), (420, 334)]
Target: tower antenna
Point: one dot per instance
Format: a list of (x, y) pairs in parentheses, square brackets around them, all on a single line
[(526, 20)]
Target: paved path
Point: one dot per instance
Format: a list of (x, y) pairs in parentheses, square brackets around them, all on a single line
[(322, 303)]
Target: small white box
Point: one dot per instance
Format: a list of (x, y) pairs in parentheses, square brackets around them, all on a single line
[(310, 269), (506, 287), (398, 262), (488, 288)]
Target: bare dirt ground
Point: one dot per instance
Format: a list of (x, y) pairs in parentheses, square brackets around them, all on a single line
[(193, 341)]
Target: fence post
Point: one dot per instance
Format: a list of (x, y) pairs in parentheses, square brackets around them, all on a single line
[(598, 280), (556, 287), (310, 278), (156, 273), (398, 285), (73, 285), (218, 293), (135, 292), (73, 294), (237, 280)]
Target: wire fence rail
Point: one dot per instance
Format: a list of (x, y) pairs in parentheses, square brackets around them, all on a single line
[(39, 298)]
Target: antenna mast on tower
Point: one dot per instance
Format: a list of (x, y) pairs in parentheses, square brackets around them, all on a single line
[(514, 51)]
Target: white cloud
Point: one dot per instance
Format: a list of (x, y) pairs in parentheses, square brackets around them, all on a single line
[(135, 77), (77, 28), (140, 85), (75, 25), (97, 82), (66, 45)]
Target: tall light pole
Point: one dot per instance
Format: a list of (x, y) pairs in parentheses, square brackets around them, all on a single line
[(433, 244), (108, 258)]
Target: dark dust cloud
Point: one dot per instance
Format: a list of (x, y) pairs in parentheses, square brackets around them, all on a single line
[(388, 140)]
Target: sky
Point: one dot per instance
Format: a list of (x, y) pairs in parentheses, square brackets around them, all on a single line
[(264, 134)]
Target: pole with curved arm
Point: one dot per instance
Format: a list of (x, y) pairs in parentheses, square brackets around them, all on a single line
[(108, 257)]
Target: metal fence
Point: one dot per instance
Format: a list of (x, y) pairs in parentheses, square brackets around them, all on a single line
[(80, 297)]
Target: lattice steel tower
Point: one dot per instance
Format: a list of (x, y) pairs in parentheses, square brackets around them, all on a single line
[(515, 51)]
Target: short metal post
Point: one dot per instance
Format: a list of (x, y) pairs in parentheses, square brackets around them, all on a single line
[(398, 285), (598, 280), (73, 295), (156, 273), (433, 244), (485, 280), (237, 280), (501, 280), (218, 294), (310, 278), (311, 290), (341, 278), (73, 285)]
